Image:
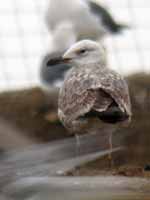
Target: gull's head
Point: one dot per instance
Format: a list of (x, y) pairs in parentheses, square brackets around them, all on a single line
[(85, 52)]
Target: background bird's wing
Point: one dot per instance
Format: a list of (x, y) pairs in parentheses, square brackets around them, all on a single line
[(105, 17), (103, 14), (49, 75)]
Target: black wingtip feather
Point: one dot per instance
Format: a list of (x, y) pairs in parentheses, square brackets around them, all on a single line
[(106, 18), (111, 115)]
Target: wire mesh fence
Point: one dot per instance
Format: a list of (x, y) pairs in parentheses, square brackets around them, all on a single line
[(24, 39)]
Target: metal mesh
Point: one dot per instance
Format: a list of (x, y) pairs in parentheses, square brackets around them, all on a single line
[(24, 39), (129, 51)]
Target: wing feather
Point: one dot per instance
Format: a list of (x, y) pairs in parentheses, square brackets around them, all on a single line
[(82, 91)]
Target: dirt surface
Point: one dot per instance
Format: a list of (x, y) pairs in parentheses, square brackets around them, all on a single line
[(34, 113), (28, 110)]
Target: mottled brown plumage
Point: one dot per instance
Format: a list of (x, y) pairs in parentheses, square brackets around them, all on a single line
[(91, 89)]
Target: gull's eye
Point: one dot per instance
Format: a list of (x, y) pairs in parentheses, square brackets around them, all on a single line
[(82, 51)]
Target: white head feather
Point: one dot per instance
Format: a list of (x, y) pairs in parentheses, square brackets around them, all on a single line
[(86, 52)]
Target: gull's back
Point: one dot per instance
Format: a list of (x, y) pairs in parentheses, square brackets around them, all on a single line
[(86, 25), (78, 94)]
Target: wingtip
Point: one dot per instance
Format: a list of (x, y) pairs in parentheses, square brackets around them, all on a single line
[(122, 27)]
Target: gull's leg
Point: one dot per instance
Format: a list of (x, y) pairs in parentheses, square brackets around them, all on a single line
[(77, 144), (110, 154), (77, 148)]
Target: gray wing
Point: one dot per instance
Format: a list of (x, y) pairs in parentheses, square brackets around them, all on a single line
[(85, 23), (51, 75), (106, 18), (97, 90)]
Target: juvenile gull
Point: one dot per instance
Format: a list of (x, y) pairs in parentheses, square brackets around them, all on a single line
[(92, 94), (90, 20)]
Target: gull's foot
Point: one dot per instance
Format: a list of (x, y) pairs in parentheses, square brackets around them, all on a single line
[(110, 161)]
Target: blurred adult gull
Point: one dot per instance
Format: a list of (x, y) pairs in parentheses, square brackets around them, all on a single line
[(92, 95), (63, 37), (90, 20)]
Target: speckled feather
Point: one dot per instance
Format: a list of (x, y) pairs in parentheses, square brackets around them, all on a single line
[(83, 90)]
